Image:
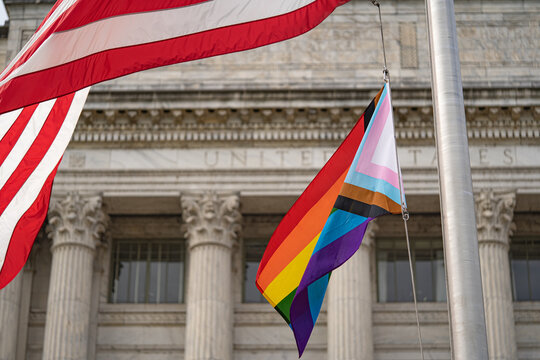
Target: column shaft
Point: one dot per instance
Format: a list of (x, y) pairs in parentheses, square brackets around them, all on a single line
[(498, 301), (209, 310), (76, 226), (494, 213), (68, 306), (350, 333), (212, 226), (10, 301)]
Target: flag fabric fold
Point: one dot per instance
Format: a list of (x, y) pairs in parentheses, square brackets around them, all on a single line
[(33, 141), (84, 42), (325, 226)]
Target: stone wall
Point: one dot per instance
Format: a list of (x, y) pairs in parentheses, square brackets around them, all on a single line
[(498, 40), (499, 47)]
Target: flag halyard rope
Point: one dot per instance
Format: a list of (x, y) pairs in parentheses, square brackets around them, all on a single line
[(386, 73), (404, 210)]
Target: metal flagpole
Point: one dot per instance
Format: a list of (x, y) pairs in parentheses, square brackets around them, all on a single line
[(467, 318)]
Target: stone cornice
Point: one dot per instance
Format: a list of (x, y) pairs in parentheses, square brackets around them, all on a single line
[(416, 93), (285, 97), (191, 127)]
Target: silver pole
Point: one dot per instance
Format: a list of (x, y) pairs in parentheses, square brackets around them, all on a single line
[(467, 320)]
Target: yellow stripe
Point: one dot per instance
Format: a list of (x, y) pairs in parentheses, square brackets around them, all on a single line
[(289, 278)]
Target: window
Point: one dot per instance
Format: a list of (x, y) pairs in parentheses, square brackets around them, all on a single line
[(146, 271), (525, 263), (393, 274), (253, 252)]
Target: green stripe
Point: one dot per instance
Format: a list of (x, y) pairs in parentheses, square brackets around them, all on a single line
[(284, 307)]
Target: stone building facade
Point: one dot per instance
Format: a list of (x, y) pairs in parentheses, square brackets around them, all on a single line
[(175, 179)]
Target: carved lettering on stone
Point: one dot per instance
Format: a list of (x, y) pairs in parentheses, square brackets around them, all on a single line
[(77, 220), (211, 218), (494, 215)]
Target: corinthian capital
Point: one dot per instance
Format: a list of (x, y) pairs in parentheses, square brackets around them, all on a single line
[(77, 220), (211, 218), (494, 215)]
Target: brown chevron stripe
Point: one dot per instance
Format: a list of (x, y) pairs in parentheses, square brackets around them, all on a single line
[(370, 197)]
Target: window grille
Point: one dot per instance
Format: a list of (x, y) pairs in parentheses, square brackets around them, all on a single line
[(146, 271), (253, 252), (525, 264), (393, 274)]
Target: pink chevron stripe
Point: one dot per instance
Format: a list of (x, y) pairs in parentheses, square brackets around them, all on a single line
[(365, 164)]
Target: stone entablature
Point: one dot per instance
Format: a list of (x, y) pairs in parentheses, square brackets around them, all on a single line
[(183, 127), (286, 157)]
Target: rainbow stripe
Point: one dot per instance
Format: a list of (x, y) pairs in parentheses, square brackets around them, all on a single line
[(326, 224)]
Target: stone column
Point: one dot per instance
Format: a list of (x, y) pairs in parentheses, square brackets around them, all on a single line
[(213, 223), (76, 225), (350, 334), (494, 214), (10, 301)]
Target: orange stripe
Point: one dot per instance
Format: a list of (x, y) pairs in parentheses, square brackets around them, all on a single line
[(369, 197), (302, 234)]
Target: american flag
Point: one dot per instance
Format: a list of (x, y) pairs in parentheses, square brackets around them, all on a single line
[(84, 42)]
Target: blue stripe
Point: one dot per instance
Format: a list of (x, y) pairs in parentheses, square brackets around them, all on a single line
[(338, 224), (375, 185), (316, 291)]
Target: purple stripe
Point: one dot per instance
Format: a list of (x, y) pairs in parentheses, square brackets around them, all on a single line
[(321, 263), (333, 255), (301, 320)]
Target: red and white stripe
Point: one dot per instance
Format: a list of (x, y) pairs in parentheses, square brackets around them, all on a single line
[(32, 143), (83, 42), (88, 41)]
